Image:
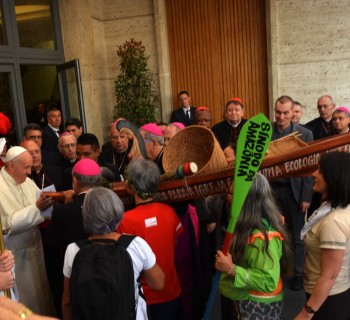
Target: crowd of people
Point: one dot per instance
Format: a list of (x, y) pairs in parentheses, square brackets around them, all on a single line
[(176, 246)]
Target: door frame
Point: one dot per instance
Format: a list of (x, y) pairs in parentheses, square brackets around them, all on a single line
[(62, 82), (19, 115)]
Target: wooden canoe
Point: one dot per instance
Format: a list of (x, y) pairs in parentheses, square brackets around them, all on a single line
[(299, 162)]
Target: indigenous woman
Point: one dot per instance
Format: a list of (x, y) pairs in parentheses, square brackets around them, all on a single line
[(327, 243), (258, 256)]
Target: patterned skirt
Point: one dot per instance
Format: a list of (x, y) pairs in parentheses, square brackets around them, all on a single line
[(250, 310)]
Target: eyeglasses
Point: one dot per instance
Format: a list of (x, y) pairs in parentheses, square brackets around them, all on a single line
[(339, 118), (69, 145), (324, 106)]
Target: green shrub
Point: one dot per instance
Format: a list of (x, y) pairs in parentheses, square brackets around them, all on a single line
[(136, 99)]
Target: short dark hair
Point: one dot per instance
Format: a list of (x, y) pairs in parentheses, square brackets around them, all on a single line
[(53, 107), (73, 122), (334, 166), (183, 92), (31, 126), (89, 139), (298, 103), (236, 102), (284, 99)]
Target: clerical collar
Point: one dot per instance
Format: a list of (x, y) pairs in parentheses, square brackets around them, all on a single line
[(120, 151), (234, 125), (38, 171)]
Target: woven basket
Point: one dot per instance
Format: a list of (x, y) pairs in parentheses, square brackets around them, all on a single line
[(284, 145), (194, 144)]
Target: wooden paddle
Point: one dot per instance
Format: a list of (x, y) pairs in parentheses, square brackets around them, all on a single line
[(252, 145)]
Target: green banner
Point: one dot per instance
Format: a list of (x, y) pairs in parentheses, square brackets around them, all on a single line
[(252, 144)]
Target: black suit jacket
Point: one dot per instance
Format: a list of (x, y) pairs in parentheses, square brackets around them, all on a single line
[(179, 116), (51, 174), (226, 134), (108, 158), (320, 129), (66, 224), (66, 227), (50, 139), (51, 154)]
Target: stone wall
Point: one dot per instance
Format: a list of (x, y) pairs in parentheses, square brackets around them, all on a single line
[(92, 31), (309, 51)]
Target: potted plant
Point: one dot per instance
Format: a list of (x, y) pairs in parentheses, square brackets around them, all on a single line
[(136, 99)]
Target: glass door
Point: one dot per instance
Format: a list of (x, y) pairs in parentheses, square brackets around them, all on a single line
[(71, 92), (9, 103)]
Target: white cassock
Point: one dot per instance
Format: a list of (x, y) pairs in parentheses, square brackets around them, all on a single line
[(20, 217)]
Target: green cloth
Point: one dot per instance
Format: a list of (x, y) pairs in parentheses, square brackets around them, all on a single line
[(261, 270)]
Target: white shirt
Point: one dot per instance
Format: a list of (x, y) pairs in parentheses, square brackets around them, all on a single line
[(142, 258)]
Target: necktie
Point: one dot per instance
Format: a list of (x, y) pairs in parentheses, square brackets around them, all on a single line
[(187, 115)]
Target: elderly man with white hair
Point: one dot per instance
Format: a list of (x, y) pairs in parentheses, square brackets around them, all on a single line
[(21, 212)]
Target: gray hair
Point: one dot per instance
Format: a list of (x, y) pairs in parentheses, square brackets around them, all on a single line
[(87, 181), (330, 98), (153, 137), (102, 211), (143, 175)]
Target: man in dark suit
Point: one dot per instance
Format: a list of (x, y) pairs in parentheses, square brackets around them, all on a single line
[(51, 133), (186, 113), (322, 126), (67, 225), (293, 195)]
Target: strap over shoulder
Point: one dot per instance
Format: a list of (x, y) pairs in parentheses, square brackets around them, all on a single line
[(125, 239)]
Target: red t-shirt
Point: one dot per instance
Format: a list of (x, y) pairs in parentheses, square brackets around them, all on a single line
[(159, 226)]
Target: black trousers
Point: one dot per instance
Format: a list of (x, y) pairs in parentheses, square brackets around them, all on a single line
[(294, 220), (334, 307)]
